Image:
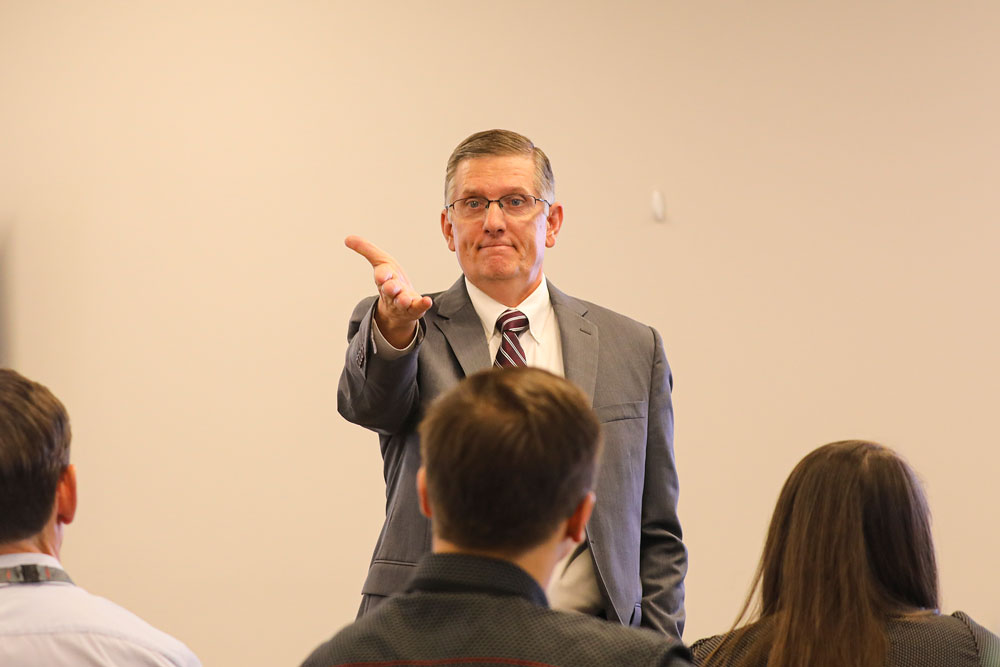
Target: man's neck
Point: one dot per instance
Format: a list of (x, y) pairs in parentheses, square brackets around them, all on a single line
[(36, 544), (539, 562), (507, 292)]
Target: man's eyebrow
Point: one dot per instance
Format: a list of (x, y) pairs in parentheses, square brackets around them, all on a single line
[(477, 192), (473, 191)]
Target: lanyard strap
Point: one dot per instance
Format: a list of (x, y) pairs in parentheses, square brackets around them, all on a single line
[(32, 574)]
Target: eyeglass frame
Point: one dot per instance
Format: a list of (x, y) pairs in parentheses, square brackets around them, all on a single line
[(498, 202)]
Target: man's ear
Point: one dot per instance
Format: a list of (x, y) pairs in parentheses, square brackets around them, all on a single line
[(447, 231), (576, 525), (425, 505), (553, 223), (66, 495)]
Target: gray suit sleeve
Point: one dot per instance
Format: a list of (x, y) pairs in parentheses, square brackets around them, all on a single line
[(375, 392), (662, 555)]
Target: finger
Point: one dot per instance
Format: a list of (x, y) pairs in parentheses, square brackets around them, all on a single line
[(383, 273), (403, 301), (368, 250), (404, 307), (420, 306), (391, 289)]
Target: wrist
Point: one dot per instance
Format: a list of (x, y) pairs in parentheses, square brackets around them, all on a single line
[(396, 332)]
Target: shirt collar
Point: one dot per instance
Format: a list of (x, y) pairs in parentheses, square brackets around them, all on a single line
[(466, 573), (28, 558), (536, 307)]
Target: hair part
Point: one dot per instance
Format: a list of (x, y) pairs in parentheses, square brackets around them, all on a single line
[(508, 454), (34, 453), (849, 546), (501, 142)]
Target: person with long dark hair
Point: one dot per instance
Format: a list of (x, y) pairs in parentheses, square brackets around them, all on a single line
[(848, 575)]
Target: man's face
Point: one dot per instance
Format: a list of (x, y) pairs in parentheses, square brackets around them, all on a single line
[(498, 254)]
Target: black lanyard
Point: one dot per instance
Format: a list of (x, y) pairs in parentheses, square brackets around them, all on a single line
[(32, 574)]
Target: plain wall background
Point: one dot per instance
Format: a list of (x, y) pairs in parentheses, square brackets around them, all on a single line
[(176, 180)]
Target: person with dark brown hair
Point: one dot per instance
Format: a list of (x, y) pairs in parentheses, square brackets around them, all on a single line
[(509, 465), (44, 618), (848, 575)]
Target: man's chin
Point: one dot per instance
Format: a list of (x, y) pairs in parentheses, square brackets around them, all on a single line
[(497, 271)]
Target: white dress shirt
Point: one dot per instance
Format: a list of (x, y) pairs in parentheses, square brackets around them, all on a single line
[(573, 586), (541, 343), (57, 623)]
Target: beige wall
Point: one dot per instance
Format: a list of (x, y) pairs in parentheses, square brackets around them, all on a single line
[(176, 180)]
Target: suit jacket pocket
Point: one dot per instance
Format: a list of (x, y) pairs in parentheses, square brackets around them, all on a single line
[(619, 411), (623, 464)]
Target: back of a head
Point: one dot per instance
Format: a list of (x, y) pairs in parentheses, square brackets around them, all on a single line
[(508, 454), (849, 545), (34, 452), (852, 517), (501, 142)]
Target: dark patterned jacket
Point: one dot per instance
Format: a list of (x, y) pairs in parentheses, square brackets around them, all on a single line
[(465, 610), (914, 641)]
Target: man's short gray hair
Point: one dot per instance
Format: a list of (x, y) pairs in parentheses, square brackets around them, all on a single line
[(501, 142)]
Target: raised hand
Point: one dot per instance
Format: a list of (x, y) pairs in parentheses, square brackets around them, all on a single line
[(399, 305)]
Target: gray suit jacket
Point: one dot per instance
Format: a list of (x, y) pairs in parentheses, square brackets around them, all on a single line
[(634, 534), (469, 610)]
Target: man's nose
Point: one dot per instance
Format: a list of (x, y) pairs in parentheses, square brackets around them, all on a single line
[(494, 220)]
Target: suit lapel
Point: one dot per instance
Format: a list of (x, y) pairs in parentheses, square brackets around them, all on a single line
[(579, 340), (461, 327)]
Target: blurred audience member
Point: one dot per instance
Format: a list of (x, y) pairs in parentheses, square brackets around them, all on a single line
[(509, 459), (44, 618), (848, 575)]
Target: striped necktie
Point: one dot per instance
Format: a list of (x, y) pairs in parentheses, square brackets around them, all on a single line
[(511, 323)]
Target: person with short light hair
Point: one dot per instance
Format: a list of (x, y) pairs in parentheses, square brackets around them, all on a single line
[(509, 464), (500, 218), (45, 619)]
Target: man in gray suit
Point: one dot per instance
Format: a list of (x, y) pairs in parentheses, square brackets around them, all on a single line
[(405, 349), (509, 464)]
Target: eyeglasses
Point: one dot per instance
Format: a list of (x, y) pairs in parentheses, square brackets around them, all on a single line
[(515, 207)]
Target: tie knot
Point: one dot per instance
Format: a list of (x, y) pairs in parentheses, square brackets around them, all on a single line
[(513, 321)]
